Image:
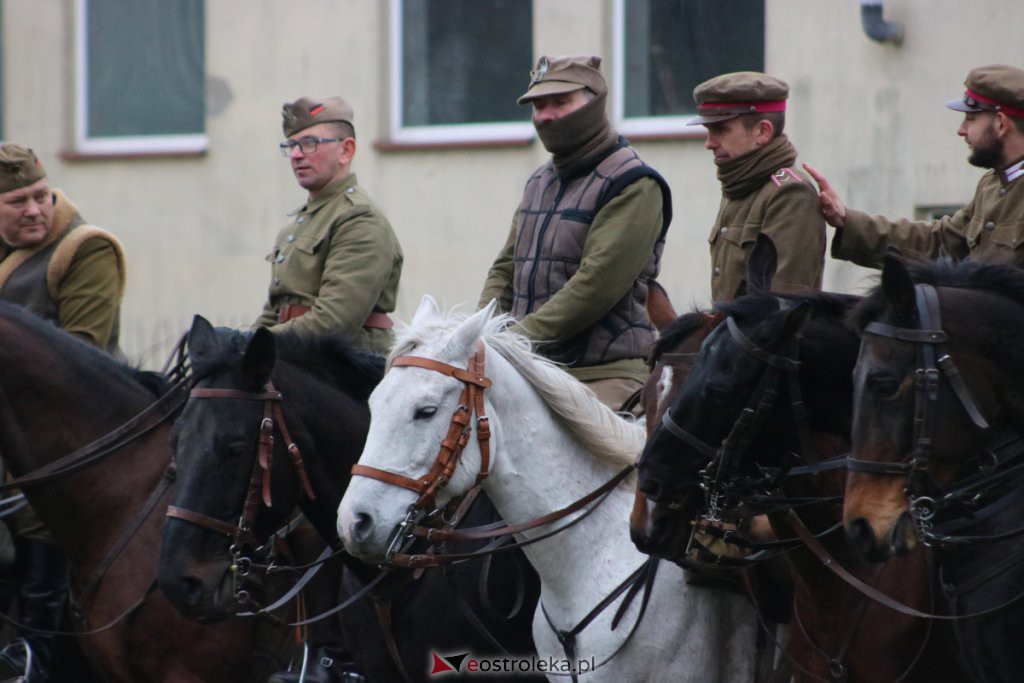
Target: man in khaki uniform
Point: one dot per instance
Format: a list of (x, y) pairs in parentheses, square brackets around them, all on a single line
[(762, 191), (72, 274), (336, 266), (991, 226), (586, 238)]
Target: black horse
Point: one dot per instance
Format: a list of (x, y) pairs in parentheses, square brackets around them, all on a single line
[(772, 385), (937, 451), (325, 385)]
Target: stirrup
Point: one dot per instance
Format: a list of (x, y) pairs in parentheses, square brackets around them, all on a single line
[(24, 676)]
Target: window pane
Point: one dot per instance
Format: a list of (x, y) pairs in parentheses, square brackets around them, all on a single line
[(673, 45), (465, 61), (145, 67)]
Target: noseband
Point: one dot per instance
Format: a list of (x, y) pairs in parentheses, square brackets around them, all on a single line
[(933, 357), (471, 402), (259, 482)]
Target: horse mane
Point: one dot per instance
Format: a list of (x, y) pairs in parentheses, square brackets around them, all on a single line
[(824, 305), (998, 278), (677, 331), (598, 427), (331, 357), (80, 351)]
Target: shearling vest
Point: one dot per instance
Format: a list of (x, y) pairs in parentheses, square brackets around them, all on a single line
[(552, 225), (27, 284)]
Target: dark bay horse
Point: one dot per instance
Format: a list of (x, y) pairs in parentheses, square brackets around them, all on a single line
[(741, 394), (58, 394), (324, 385), (937, 452)]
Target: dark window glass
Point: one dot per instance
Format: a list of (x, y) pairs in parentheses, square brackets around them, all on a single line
[(465, 61), (144, 67), (673, 45)]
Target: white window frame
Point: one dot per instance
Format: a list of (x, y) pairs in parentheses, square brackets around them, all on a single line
[(462, 133), (128, 144), (639, 125)]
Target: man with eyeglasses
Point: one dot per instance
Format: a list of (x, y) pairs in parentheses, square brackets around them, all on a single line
[(336, 266), (991, 225)]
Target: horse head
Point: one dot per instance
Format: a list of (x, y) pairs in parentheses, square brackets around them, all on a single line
[(895, 389), (247, 449), (415, 409)]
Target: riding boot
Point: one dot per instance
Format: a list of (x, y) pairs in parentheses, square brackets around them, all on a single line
[(328, 661), (43, 570)]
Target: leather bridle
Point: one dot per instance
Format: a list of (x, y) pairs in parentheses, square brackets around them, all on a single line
[(471, 402), (933, 358), (724, 461), (259, 489)]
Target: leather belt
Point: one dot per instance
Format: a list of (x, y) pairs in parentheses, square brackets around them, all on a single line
[(377, 320)]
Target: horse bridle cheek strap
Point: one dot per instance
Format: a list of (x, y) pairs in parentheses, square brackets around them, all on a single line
[(471, 402), (259, 482)]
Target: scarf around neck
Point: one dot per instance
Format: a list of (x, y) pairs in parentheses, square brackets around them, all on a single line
[(583, 136), (743, 175)]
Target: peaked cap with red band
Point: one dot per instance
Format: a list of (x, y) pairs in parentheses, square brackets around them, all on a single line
[(306, 111), (997, 87), (735, 94)]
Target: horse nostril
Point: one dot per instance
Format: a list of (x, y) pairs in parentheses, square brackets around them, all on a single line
[(362, 527)]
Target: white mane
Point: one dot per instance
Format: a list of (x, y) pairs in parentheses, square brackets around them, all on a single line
[(598, 428)]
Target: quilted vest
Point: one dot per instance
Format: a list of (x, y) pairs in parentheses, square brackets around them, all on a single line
[(552, 225)]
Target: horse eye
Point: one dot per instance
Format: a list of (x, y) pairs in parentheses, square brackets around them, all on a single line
[(715, 394), (424, 413), (882, 384), (236, 450)]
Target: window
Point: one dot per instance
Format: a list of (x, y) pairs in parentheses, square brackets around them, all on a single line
[(140, 76), (457, 67), (665, 48)]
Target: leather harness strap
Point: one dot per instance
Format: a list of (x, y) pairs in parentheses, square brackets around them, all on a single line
[(471, 402), (377, 320)]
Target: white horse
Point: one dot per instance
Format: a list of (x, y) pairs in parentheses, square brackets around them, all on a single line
[(552, 443)]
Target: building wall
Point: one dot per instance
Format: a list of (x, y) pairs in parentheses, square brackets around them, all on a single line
[(196, 230)]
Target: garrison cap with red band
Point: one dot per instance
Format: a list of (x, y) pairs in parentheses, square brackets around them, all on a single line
[(307, 111), (735, 94), (997, 87), (19, 167)]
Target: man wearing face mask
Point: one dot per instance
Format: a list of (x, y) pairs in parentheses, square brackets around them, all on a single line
[(586, 238)]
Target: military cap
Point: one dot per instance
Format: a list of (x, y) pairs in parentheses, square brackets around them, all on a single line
[(558, 75), (19, 167), (307, 111), (735, 94), (997, 87)]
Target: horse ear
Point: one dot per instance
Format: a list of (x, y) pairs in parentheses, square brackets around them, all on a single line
[(796, 318), (260, 355), (469, 331), (761, 264), (898, 287), (202, 340), (428, 309)]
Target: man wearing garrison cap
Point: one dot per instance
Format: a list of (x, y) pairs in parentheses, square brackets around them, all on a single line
[(587, 237), (762, 192), (335, 267), (71, 274), (990, 226)]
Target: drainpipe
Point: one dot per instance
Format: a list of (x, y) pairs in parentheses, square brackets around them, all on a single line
[(876, 27)]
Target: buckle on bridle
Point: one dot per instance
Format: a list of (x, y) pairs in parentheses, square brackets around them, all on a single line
[(402, 534)]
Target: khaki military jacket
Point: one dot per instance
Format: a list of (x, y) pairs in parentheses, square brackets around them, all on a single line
[(991, 227), (75, 277), (340, 257), (784, 209)]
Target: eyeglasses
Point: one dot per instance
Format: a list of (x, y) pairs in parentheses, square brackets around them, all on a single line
[(307, 144)]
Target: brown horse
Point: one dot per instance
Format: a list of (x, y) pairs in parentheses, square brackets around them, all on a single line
[(58, 394), (937, 443)]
